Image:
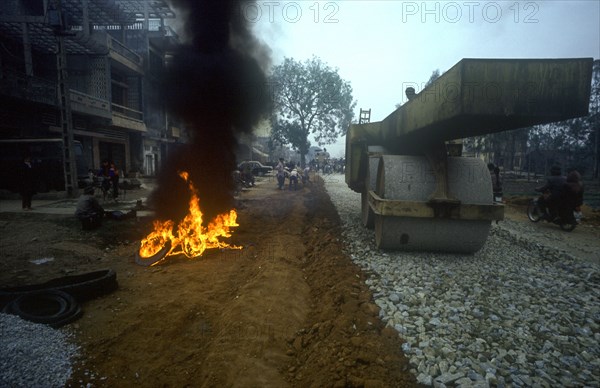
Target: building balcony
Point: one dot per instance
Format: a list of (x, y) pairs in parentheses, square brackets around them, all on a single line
[(90, 105), (128, 118), (123, 55), (18, 86)]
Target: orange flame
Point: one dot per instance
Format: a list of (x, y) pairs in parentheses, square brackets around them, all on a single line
[(192, 237)]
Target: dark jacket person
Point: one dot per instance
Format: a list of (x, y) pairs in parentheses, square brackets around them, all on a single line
[(27, 182), (89, 211), (572, 195), (553, 188)]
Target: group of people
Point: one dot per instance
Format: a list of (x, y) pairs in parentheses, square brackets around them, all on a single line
[(294, 175), (88, 210), (561, 194), (108, 174)]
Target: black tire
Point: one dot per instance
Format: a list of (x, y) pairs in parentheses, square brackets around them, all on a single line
[(51, 307), (154, 259), (568, 226), (82, 287), (534, 213)]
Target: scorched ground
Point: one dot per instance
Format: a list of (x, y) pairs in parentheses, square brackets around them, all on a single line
[(290, 309)]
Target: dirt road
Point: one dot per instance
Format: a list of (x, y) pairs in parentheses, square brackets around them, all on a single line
[(290, 309)]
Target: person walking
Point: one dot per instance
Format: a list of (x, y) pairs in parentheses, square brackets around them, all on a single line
[(294, 179), (280, 174), (27, 177), (104, 176), (496, 182), (305, 176), (113, 173)]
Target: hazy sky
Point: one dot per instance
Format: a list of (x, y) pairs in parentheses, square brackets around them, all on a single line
[(382, 46)]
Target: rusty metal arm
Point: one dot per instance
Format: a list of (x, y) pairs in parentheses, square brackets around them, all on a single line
[(475, 97)]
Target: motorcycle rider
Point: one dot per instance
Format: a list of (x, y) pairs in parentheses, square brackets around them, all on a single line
[(572, 196), (551, 193)]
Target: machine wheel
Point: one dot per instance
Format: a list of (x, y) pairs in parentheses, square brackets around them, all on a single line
[(568, 226), (367, 214), (534, 213), (409, 178)]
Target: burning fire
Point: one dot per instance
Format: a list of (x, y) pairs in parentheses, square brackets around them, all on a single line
[(192, 237)]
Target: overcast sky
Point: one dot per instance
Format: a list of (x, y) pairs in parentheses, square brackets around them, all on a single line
[(382, 46)]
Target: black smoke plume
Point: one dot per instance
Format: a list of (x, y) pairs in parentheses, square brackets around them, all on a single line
[(215, 85)]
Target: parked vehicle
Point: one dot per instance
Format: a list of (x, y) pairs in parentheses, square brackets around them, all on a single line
[(47, 159), (256, 167)]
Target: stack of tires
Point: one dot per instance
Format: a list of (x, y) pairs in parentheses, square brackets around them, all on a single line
[(57, 302)]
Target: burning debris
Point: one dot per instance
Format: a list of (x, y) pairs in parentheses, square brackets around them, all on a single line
[(215, 85), (191, 238)]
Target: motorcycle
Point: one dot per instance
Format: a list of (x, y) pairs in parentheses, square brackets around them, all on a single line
[(535, 214)]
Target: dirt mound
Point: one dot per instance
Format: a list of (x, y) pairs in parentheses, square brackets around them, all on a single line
[(344, 343)]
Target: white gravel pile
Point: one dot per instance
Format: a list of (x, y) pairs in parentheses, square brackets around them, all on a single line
[(34, 355), (517, 313)]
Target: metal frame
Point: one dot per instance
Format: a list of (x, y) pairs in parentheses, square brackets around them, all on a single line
[(422, 209)]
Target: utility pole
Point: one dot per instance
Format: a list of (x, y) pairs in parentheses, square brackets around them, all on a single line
[(64, 98)]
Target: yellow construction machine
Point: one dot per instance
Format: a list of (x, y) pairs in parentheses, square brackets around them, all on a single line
[(414, 193)]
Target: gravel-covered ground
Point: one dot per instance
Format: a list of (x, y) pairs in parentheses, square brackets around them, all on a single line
[(520, 312), (34, 355)]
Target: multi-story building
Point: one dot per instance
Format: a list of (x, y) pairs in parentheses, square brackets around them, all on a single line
[(115, 52)]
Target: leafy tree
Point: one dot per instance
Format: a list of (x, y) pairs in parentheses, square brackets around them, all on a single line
[(592, 121), (574, 142), (434, 75), (309, 98)]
